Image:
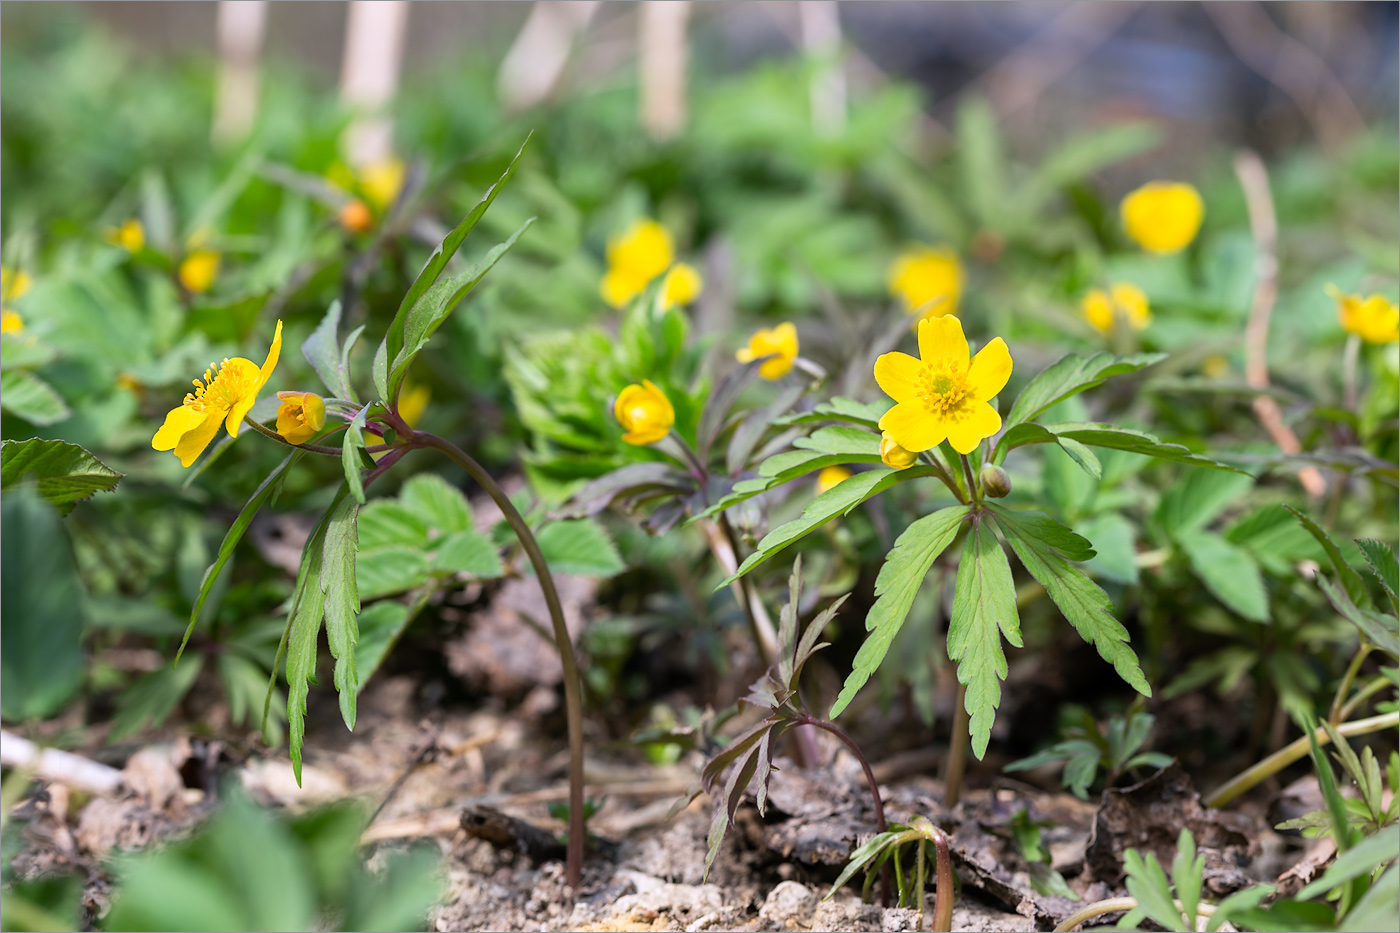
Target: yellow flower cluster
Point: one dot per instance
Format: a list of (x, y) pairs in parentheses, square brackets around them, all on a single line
[(1374, 319), (1123, 302), (13, 284), (778, 344), (927, 280), (641, 253)]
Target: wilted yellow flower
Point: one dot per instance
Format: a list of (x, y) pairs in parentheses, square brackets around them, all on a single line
[(1373, 319), (1124, 300), (355, 216), (224, 396), (941, 396), (1162, 216), (130, 236), (645, 412), (892, 455), (681, 286), (300, 416), (635, 257), (10, 322), (928, 280), (780, 344), (199, 270), (830, 477), (382, 181), (13, 284), (413, 401)]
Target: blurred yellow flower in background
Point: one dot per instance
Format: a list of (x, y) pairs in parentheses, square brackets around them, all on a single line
[(413, 401), (928, 280), (225, 394), (199, 269), (13, 284), (780, 344), (892, 455), (1125, 300), (1374, 319), (1163, 217), (941, 396), (830, 477), (383, 180), (682, 285), (130, 236), (10, 322), (636, 256), (300, 416), (645, 413)]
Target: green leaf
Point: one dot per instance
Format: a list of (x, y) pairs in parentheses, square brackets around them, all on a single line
[(839, 409), (342, 601), (22, 352), (1081, 455), (838, 500), (1148, 885), (323, 351), (1352, 583), (386, 522), (266, 489), (787, 466), (469, 552), (1383, 564), (1048, 532), (1375, 909), (841, 441), (1378, 628), (352, 449), (1113, 538), (152, 698), (1196, 501), (1361, 859), (63, 473), (428, 314), (580, 547), (895, 588), (440, 504), (1187, 871), (303, 627), (396, 337), (382, 571), (1100, 435), (41, 640), (1083, 155), (26, 395), (1069, 376), (981, 162), (1230, 574), (1083, 602), (984, 609)]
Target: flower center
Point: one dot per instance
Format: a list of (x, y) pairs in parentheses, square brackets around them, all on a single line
[(941, 388), (223, 386)]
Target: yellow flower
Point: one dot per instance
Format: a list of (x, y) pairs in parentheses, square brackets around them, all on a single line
[(928, 280), (225, 395), (130, 236), (1215, 366), (641, 253), (831, 476), (892, 455), (199, 270), (682, 285), (941, 396), (778, 344), (1373, 319), (1163, 217), (645, 412), (355, 217), (13, 284), (300, 416), (413, 401), (10, 322), (1124, 300), (382, 181)]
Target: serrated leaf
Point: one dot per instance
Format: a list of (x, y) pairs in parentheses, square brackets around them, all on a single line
[(266, 489), (838, 500), (1096, 434), (440, 504), (1069, 376), (1148, 885), (1377, 628), (1231, 575), (1199, 499), (468, 552), (787, 466), (352, 448), (757, 424), (1082, 601), (895, 588), (341, 600), (1082, 456), (24, 394), (383, 571), (1046, 530), (323, 351), (63, 473), (1361, 859), (1352, 583), (984, 610), (1383, 565), (580, 547), (1187, 871), (386, 522), (839, 409), (303, 627)]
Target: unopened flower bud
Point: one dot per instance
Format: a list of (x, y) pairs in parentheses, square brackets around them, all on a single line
[(894, 455), (995, 482)]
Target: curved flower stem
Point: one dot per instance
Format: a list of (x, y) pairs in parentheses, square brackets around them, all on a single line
[(265, 431), (1365, 693), (1293, 752), (958, 743), (1116, 904), (944, 895), (1338, 701), (880, 824), (573, 693)]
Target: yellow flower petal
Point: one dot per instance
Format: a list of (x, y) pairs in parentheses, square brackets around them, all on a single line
[(969, 423), (645, 413), (130, 236), (1163, 217), (1131, 302), (927, 280), (941, 342), (179, 422), (682, 285), (990, 369), (10, 322), (778, 344), (1098, 310), (382, 181), (1373, 319), (831, 477), (193, 442), (643, 250), (619, 287), (199, 270), (912, 427), (300, 416), (413, 401), (898, 373)]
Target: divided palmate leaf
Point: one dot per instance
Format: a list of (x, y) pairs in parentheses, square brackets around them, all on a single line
[(342, 601), (63, 473), (900, 578), (1069, 376), (984, 609), (1083, 602)]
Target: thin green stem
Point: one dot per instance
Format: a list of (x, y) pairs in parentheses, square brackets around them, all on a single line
[(958, 744), (1293, 752), (974, 494), (1118, 904), (880, 824), (267, 432), (573, 689), (1362, 695), (1343, 688), (920, 871), (945, 894)]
